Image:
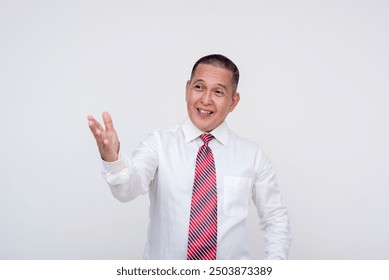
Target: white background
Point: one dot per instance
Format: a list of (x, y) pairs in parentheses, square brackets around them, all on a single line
[(314, 93)]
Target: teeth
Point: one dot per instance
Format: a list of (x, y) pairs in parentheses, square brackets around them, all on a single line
[(204, 112)]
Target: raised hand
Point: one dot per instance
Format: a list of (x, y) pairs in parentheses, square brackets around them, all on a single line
[(107, 139)]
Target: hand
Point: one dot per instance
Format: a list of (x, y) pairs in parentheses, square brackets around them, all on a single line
[(107, 139)]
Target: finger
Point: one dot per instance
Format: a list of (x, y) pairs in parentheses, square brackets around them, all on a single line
[(93, 128), (99, 137), (108, 121), (98, 134), (103, 143), (96, 123)]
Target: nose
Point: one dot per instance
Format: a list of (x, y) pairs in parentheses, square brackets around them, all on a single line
[(207, 98)]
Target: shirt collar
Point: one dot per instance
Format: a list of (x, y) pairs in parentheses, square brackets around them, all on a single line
[(191, 132)]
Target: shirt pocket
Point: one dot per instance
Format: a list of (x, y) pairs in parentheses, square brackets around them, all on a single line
[(236, 195)]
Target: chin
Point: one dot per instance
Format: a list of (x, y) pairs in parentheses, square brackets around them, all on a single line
[(206, 128)]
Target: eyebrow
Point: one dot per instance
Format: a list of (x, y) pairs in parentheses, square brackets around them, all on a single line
[(219, 84)]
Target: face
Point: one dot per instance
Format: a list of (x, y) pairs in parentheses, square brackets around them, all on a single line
[(209, 96)]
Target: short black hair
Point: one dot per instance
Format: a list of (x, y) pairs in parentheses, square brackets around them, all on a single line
[(222, 61)]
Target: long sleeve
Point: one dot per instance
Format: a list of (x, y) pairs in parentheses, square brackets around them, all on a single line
[(271, 210), (129, 178), (163, 165)]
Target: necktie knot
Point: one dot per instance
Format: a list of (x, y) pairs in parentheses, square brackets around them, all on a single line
[(206, 138)]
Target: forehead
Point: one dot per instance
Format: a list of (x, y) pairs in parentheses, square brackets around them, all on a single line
[(212, 74)]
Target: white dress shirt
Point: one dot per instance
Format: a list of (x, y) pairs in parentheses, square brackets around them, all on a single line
[(163, 165)]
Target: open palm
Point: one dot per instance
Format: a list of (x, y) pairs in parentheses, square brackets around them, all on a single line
[(106, 138)]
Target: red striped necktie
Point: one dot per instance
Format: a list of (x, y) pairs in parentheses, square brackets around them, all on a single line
[(202, 240)]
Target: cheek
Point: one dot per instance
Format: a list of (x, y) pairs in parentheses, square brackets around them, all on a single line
[(224, 107), (191, 99), (190, 103), (188, 98)]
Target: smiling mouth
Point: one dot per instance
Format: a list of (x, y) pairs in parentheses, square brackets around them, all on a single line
[(204, 112)]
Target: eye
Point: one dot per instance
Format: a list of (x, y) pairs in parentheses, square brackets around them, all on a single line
[(198, 87), (219, 92)]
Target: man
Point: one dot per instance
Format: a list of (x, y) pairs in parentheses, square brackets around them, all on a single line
[(200, 176)]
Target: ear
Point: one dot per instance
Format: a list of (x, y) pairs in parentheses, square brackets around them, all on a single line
[(187, 90), (235, 101)]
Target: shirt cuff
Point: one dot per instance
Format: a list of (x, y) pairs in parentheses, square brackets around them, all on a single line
[(116, 166)]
